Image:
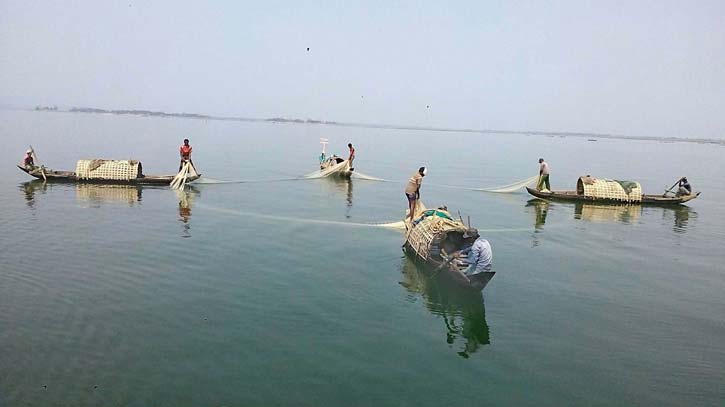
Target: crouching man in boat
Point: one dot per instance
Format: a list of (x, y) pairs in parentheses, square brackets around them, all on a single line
[(28, 161), (684, 187), (478, 256), (412, 190), (185, 153)]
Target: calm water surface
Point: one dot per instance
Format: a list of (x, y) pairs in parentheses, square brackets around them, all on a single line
[(275, 291)]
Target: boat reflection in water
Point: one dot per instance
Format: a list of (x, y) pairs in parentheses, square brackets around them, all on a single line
[(680, 215), (30, 188), (462, 311), (626, 214), (541, 209), (344, 186), (99, 194), (186, 199)]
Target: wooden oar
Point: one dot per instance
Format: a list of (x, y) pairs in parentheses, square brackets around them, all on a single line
[(670, 188), (440, 268)]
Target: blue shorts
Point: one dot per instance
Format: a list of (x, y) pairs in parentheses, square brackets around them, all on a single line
[(411, 197)]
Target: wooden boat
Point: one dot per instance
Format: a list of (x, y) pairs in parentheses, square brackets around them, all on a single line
[(336, 166), (646, 199), (432, 236), (606, 191), (332, 164), (70, 176)]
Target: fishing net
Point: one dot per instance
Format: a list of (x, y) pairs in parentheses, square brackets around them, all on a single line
[(108, 169), (343, 166), (510, 187), (187, 171)]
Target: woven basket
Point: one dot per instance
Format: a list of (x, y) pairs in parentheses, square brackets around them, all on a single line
[(108, 169), (608, 189), (425, 236)]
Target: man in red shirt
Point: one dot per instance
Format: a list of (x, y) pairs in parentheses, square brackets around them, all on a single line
[(28, 161), (185, 153)]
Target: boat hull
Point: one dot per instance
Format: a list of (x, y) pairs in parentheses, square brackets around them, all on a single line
[(439, 268), (70, 177), (573, 196)]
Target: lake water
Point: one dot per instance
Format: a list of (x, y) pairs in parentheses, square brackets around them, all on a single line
[(275, 291)]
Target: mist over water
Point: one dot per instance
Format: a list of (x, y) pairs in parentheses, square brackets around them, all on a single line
[(266, 289)]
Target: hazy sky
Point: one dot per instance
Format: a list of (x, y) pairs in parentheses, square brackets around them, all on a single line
[(637, 68)]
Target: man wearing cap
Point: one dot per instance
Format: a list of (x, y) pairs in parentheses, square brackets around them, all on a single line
[(479, 254), (412, 190), (543, 176), (684, 187)]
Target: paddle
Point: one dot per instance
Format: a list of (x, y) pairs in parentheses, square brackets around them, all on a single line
[(670, 188), (35, 157), (440, 268)]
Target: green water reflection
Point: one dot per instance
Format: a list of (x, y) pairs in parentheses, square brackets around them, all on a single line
[(462, 310)]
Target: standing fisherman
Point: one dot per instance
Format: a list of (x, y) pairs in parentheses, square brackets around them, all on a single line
[(543, 176), (412, 190), (352, 155), (185, 153)]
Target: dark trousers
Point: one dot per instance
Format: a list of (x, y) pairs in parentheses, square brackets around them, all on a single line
[(543, 180)]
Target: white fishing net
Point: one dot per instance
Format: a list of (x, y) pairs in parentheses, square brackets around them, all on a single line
[(504, 189)]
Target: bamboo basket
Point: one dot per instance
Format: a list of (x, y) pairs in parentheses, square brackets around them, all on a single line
[(424, 238), (108, 169), (608, 189)]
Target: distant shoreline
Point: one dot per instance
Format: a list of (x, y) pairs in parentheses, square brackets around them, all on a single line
[(589, 136)]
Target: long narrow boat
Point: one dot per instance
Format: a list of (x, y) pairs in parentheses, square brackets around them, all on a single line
[(137, 178), (607, 191), (646, 199), (432, 237)]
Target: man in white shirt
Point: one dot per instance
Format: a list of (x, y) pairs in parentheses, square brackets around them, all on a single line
[(543, 176)]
